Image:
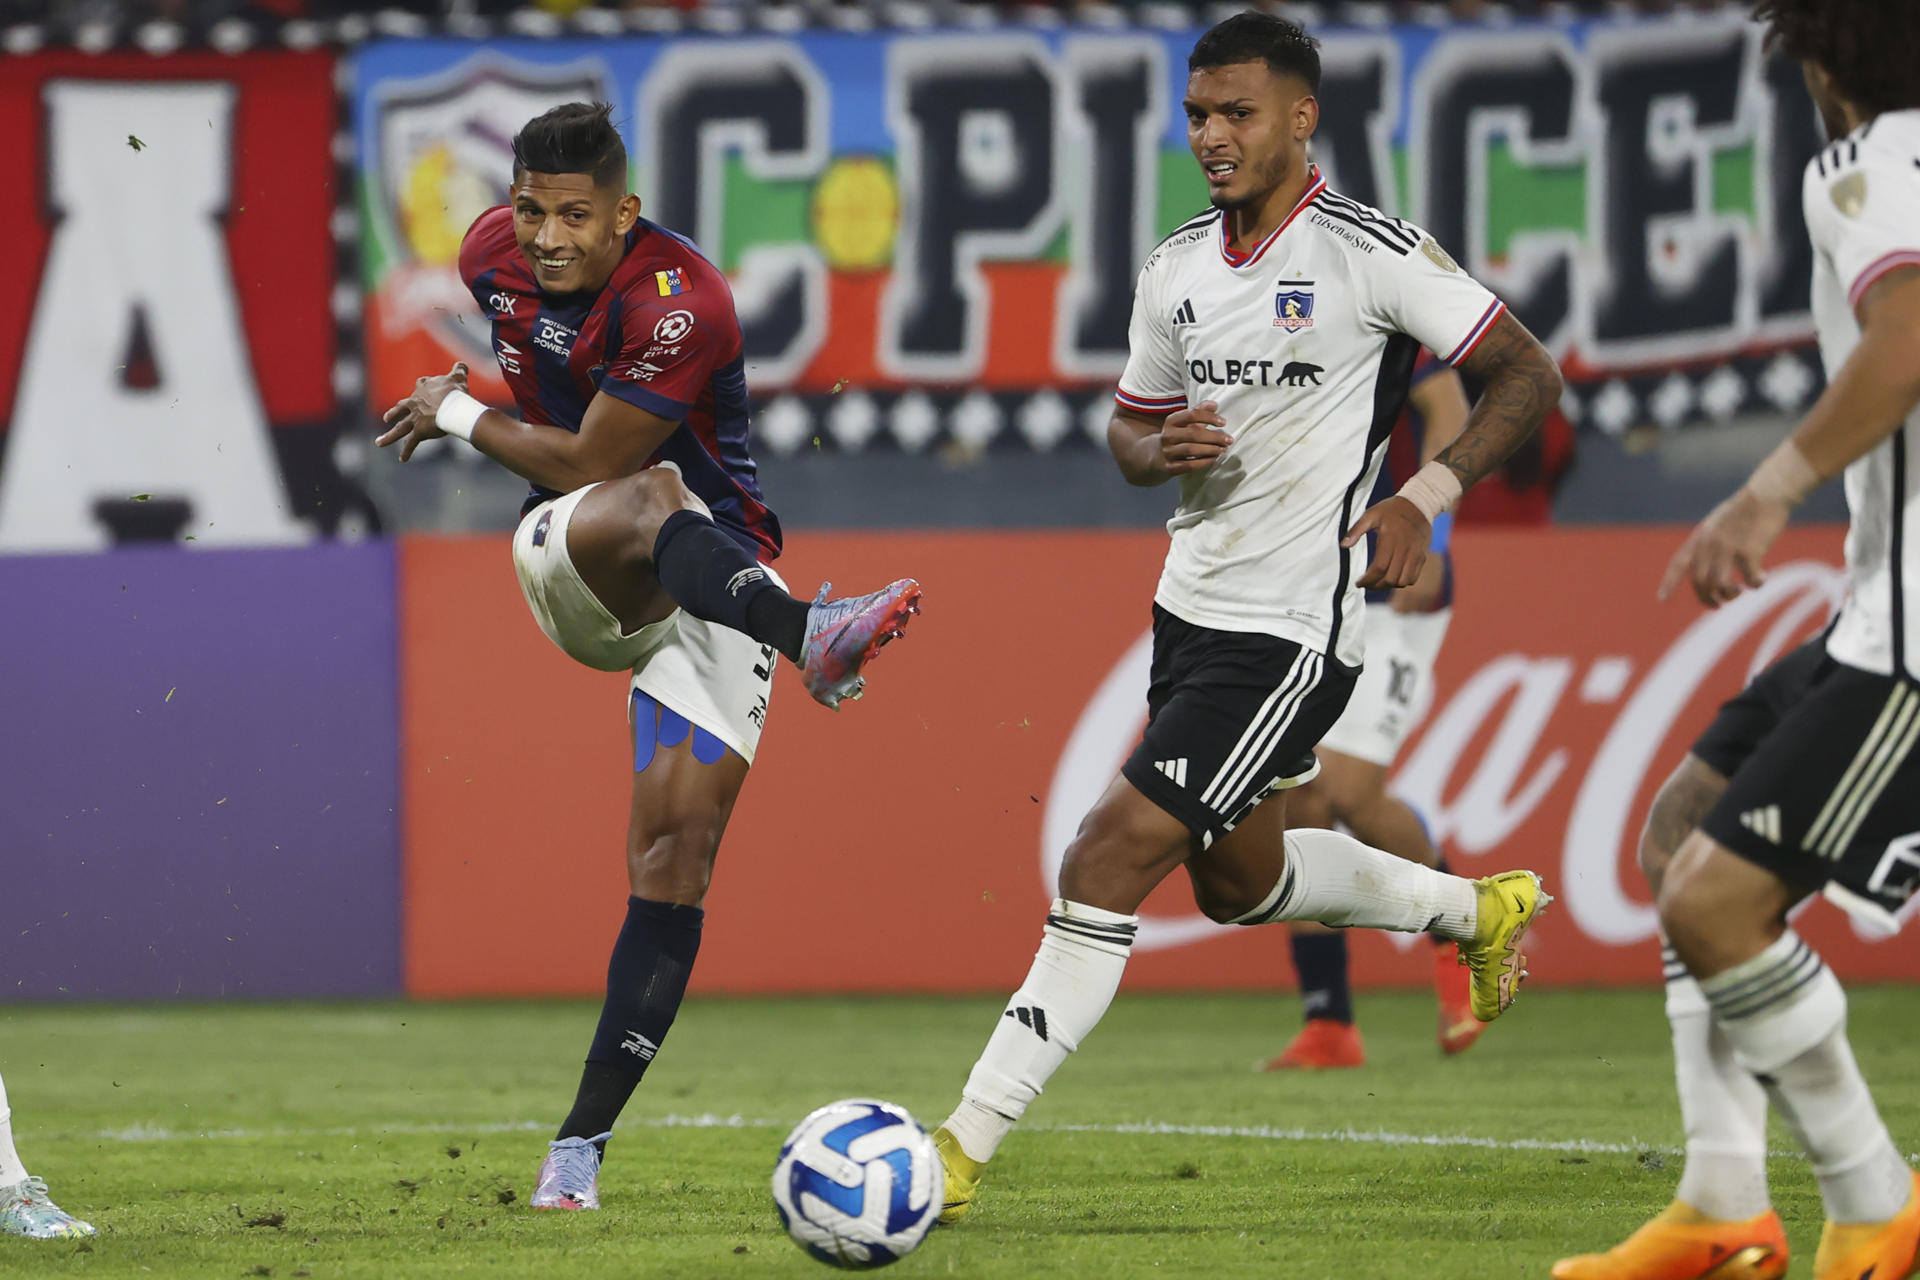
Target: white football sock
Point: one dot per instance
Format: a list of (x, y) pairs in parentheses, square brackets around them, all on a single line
[(1722, 1106), (1786, 1017), (1336, 880), (1072, 982), (11, 1170)]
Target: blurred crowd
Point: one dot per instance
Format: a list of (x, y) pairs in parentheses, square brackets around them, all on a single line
[(73, 13)]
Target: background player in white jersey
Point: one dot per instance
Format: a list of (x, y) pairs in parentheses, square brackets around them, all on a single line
[(1822, 786), (1271, 345), (24, 1207), (1404, 629)]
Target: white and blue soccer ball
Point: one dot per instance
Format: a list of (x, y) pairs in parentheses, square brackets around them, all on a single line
[(858, 1183)]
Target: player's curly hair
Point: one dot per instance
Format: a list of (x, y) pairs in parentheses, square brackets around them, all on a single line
[(1259, 37), (1871, 48), (578, 137)]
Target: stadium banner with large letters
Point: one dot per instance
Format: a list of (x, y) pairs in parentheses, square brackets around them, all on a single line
[(910, 842), (946, 226), (168, 327)]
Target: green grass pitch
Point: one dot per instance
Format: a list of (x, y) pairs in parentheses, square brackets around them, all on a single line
[(401, 1140)]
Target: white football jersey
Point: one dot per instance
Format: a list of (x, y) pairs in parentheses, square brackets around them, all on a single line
[(1862, 202), (1307, 344)]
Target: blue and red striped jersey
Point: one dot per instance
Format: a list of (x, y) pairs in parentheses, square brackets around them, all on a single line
[(1404, 449), (661, 335)]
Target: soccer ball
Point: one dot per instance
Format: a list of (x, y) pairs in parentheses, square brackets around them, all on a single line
[(858, 1183)]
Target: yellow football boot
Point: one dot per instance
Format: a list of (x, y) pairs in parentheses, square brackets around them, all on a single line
[(1872, 1251), (1684, 1244), (962, 1173), (1509, 902)]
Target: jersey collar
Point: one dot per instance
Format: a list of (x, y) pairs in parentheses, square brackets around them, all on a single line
[(1315, 186)]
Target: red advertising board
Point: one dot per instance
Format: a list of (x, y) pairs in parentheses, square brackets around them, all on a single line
[(906, 843)]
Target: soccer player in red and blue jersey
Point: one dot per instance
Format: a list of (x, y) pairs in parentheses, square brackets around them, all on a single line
[(645, 545)]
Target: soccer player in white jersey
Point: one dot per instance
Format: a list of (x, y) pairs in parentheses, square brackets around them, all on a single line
[(25, 1209), (1271, 345), (1819, 790)]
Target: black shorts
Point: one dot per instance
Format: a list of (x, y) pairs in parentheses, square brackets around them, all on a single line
[(1751, 714), (1823, 776), (1232, 717)]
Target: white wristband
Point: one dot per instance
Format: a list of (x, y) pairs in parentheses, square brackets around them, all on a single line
[(458, 414), (1434, 488)]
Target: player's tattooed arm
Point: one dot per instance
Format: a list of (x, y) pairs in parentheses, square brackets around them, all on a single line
[(1152, 450), (1522, 384)]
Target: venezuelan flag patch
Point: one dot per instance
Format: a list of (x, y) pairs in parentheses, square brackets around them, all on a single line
[(671, 282)]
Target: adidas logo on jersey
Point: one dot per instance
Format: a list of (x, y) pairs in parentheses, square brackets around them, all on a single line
[(1175, 769), (1184, 314), (1764, 823)]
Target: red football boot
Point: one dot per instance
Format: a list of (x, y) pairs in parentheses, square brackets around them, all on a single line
[(1322, 1044)]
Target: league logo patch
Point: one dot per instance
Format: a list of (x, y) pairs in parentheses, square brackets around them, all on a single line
[(1437, 256), (673, 326), (1293, 306), (1850, 194), (671, 282)]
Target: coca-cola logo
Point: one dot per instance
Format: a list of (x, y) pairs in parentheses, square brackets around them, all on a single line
[(1493, 754)]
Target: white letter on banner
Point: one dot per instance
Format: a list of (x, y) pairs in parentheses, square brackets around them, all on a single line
[(139, 230)]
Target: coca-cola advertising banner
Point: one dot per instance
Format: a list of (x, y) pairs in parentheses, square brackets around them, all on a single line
[(938, 807)]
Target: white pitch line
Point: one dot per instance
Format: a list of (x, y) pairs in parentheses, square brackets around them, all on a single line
[(1269, 1133), (1587, 1146), (709, 1120)]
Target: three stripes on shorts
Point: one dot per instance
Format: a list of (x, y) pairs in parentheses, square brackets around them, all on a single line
[(1268, 726), (1874, 765)]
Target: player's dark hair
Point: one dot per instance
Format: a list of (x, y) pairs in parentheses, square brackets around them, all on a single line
[(576, 138), (1284, 46), (1870, 47)]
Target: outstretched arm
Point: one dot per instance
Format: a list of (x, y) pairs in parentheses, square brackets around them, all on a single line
[(1867, 401), (1522, 384)]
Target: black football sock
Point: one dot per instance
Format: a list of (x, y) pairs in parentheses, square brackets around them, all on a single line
[(1321, 961), (646, 979), (1440, 865), (713, 577)]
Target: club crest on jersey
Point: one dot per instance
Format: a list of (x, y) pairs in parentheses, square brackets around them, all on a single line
[(1293, 306)]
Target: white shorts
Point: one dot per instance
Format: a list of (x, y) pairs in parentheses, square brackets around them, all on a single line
[(714, 676), (1395, 687)]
